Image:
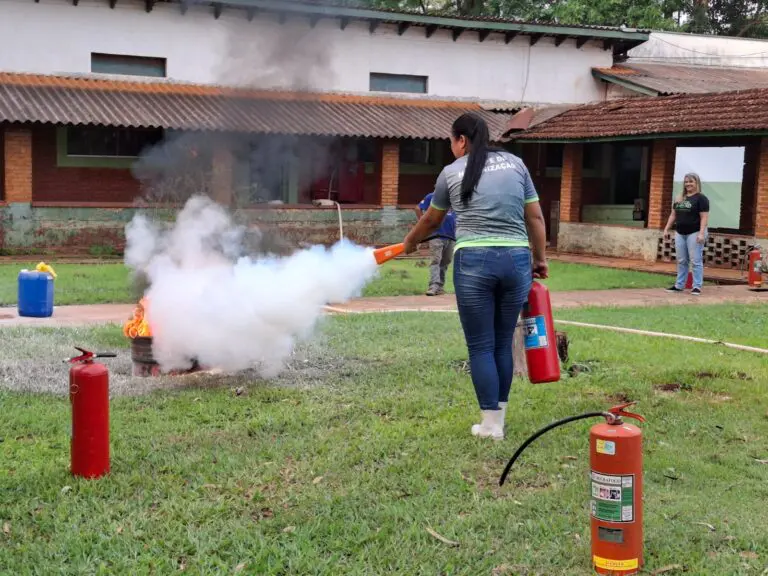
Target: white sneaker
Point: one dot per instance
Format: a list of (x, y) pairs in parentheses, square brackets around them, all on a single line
[(492, 425), (503, 407)]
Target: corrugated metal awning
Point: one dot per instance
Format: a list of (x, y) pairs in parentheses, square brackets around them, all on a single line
[(170, 105), (664, 79)]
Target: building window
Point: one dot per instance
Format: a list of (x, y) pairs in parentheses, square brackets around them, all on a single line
[(398, 83), (418, 152), (127, 65), (107, 142)]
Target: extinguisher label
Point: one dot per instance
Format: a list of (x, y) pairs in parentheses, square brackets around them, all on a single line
[(613, 497), (609, 564), (606, 447), (535, 332)]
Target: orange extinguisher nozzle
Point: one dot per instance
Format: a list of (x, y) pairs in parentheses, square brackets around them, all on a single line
[(388, 252)]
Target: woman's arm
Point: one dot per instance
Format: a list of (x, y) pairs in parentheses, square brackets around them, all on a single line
[(537, 233), (670, 221), (426, 225), (703, 227)]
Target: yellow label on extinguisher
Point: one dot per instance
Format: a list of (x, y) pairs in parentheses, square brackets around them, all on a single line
[(607, 564)]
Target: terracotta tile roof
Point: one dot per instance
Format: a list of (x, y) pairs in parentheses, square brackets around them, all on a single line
[(735, 112), (170, 105), (679, 79)]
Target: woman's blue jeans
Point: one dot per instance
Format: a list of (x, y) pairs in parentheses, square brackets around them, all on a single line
[(688, 249), (492, 285)]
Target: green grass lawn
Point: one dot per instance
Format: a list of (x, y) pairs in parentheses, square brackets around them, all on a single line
[(345, 475), (737, 323), (111, 282)]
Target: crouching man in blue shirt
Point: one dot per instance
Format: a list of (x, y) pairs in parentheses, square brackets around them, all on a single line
[(440, 248)]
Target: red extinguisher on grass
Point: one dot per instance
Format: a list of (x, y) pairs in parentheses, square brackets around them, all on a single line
[(539, 336), (89, 397), (615, 488)]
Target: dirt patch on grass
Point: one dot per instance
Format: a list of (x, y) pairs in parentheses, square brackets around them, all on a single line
[(618, 398), (33, 361)]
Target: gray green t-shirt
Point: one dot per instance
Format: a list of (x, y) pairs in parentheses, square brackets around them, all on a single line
[(495, 216)]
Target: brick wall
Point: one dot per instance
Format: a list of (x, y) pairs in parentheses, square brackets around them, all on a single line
[(2, 164), (390, 172), (222, 176), (54, 184), (571, 183), (17, 152), (662, 175), (749, 187), (761, 202)]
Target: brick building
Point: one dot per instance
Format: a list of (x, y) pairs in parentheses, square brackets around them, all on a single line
[(266, 105), (621, 168)]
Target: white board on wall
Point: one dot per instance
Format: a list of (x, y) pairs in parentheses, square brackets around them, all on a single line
[(721, 170)]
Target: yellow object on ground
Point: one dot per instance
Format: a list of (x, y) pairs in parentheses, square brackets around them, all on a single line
[(43, 267)]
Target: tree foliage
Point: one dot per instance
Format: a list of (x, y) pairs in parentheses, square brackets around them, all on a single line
[(746, 18)]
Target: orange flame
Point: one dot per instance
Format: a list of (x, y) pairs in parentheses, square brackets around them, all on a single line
[(137, 326)]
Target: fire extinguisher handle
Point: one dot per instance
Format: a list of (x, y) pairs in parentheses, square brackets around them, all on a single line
[(620, 411)]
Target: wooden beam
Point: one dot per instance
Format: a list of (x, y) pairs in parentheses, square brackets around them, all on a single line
[(431, 29), (482, 35), (581, 41), (217, 10), (344, 23), (559, 40), (402, 27), (535, 38), (509, 36), (372, 25), (456, 33)]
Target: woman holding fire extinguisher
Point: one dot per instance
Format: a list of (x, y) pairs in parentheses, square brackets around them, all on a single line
[(497, 211)]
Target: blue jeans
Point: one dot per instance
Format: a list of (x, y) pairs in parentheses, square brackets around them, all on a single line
[(687, 249), (492, 285)]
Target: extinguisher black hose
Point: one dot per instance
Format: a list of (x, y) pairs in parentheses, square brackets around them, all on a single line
[(542, 432)]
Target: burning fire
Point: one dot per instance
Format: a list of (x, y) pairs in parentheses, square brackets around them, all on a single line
[(138, 326)]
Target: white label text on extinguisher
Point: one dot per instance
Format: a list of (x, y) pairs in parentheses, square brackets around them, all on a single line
[(613, 498), (535, 332)]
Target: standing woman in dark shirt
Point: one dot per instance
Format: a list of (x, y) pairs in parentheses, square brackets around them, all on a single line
[(691, 214)]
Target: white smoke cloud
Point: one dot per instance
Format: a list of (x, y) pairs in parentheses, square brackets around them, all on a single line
[(233, 313)]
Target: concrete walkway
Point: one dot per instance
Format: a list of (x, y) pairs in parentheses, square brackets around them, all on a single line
[(69, 316)]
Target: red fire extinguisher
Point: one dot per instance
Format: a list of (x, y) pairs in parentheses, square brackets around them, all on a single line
[(539, 336), (89, 397), (616, 489), (755, 276)]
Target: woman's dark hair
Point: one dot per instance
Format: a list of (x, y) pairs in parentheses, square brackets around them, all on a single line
[(476, 131)]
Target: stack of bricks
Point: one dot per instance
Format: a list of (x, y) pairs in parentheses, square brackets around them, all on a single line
[(662, 176), (390, 172), (18, 165), (571, 183)]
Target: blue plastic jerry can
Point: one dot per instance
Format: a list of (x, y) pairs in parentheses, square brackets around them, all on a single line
[(35, 298)]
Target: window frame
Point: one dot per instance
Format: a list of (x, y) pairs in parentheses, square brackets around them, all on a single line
[(127, 59), (66, 160), (388, 76)]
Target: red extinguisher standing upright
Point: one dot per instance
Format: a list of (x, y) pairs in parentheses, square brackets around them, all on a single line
[(89, 397), (615, 488), (755, 274), (539, 334)]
